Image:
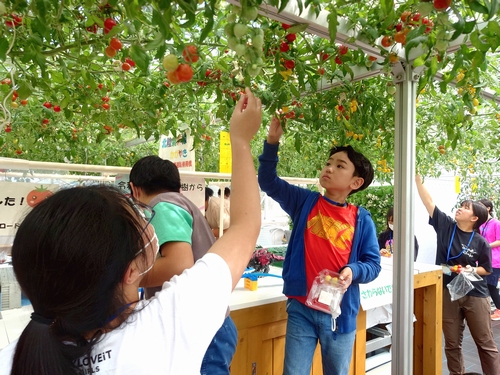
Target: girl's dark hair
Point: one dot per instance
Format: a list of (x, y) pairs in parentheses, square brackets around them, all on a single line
[(70, 255), (362, 166), (488, 204), (208, 193), (479, 210), (390, 213)]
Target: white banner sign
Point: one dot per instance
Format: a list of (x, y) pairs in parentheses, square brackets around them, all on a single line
[(179, 150), (378, 292), (16, 199), (192, 187)]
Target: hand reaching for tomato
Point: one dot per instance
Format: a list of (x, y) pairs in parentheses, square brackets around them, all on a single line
[(246, 118), (275, 131)]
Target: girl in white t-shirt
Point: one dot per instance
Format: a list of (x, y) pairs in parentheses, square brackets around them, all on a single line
[(80, 256)]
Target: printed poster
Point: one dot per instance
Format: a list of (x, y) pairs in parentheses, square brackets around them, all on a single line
[(17, 199), (179, 150)]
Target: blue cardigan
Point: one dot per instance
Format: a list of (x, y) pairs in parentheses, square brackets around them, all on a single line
[(364, 260)]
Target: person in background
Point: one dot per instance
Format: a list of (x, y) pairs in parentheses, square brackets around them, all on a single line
[(212, 214), (491, 232), (328, 233), (386, 238), (227, 193), (80, 257), (459, 243), (208, 194)]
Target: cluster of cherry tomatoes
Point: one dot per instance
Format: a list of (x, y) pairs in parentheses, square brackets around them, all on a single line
[(176, 72)]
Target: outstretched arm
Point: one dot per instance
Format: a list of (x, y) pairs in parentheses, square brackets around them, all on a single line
[(237, 244), (275, 131), (425, 196)]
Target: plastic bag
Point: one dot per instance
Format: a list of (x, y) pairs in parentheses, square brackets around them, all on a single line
[(326, 294), (459, 286)]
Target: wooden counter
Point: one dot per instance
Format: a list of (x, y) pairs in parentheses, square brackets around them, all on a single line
[(260, 317)]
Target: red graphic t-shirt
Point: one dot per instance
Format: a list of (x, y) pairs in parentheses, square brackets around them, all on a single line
[(328, 239)]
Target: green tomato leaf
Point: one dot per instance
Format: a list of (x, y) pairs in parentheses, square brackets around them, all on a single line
[(4, 46), (294, 91), (476, 6), (419, 61), (434, 66), (206, 30), (494, 6), (297, 28), (332, 24), (387, 6), (24, 89), (156, 43), (469, 26), (458, 26), (140, 57), (412, 43)]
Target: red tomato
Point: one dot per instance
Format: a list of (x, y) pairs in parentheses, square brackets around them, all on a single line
[(284, 47), (115, 44), (405, 15), (289, 64), (36, 196), (321, 71), (400, 37), (343, 50), (338, 61), (110, 51), (105, 106), (129, 61), (109, 23), (47, 105), (57, 108), (24, 102), (126, 67), (324, 56), (172, 77), (8, 129), (190, 54), (92, 29), (386, 41), (45, 121), (184, 73), (291, 37), (285, 26)]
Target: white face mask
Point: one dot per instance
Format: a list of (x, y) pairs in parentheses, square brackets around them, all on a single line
[(391, 226), (152, 242)]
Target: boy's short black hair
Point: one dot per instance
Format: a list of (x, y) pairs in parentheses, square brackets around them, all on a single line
[(155, 175), (362, 166)]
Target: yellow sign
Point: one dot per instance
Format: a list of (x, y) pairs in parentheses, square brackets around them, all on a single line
[(457, 184), (225, 160)]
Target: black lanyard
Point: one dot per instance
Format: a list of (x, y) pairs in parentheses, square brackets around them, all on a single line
[(451, 241)]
